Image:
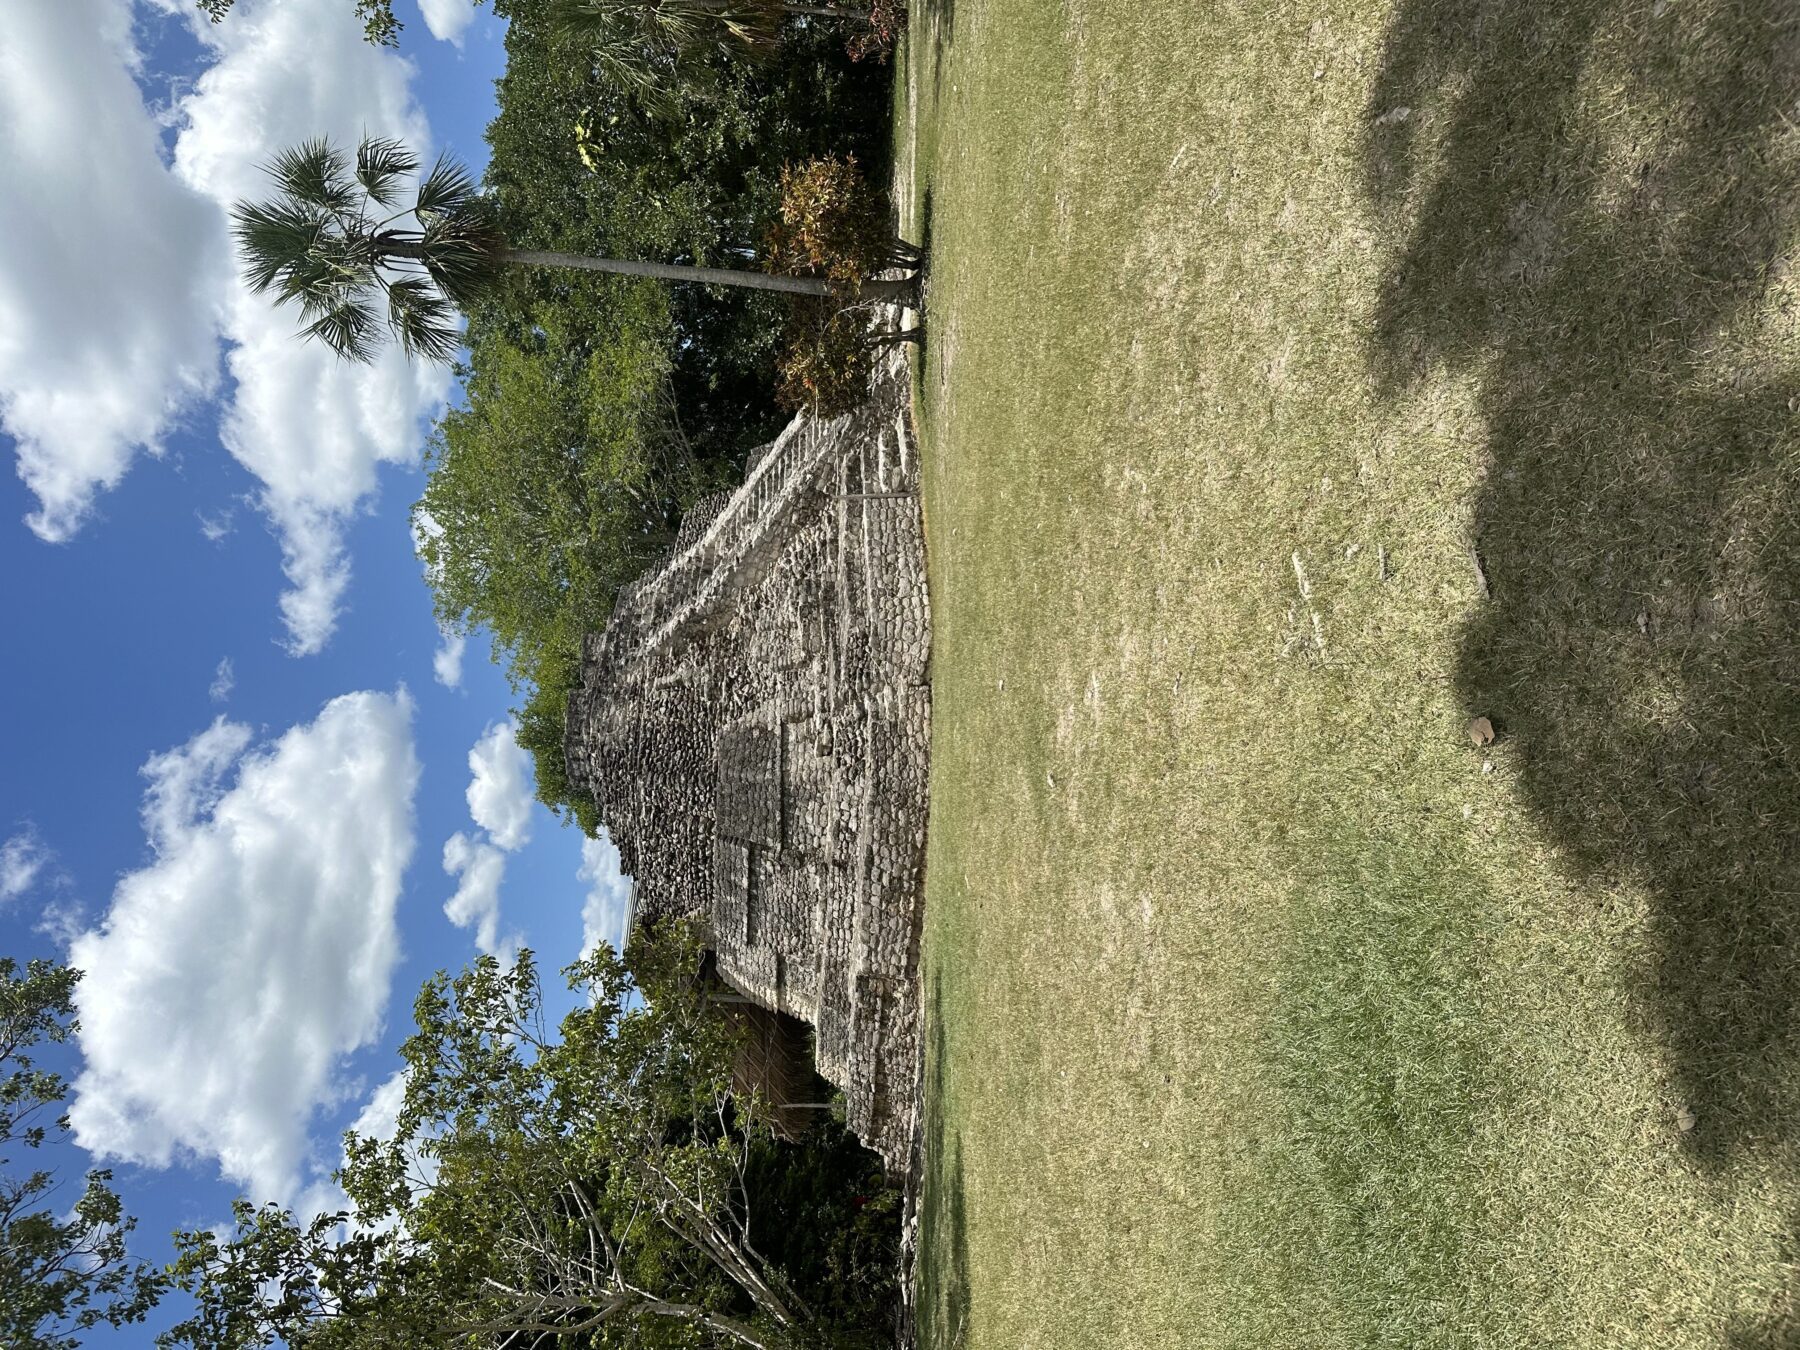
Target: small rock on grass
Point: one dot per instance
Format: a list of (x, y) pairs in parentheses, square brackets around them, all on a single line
[(1481, 731), (1685, 1119)]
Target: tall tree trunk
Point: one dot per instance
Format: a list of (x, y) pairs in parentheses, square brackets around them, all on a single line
[(709, 276)]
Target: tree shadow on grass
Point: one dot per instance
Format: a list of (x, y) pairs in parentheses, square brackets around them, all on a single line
[(1779, 1333), (1587, 204), (919, 335), (924, 246), (943, 1312), (934, 21)]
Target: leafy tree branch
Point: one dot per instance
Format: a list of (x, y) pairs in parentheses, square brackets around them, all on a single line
[(61, 1275), (585, 1187)]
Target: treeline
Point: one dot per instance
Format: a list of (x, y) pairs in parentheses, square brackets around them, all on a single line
[(604, 1183), (598, 409)]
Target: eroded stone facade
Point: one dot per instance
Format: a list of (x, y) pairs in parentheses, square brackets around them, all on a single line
[(753, 724)]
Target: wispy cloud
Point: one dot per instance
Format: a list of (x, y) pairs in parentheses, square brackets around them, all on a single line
[(22, 860), (218, 526), (447, 661), (62, 920), (223, 682)]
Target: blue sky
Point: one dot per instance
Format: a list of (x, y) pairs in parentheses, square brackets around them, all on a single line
[(232, 767)]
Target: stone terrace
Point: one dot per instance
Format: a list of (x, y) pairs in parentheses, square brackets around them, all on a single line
[(753, 725)]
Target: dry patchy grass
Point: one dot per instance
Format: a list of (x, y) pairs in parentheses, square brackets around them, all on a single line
[(1301, 381)]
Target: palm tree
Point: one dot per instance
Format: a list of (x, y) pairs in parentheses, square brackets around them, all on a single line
[(638, 44), (334, 240), (684, 26)]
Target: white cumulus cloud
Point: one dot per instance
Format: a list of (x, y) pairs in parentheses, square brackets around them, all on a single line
[(479, 868), (113, 272), (314, 429), (500, 787), (118, 285), (448, 18), (606, 913), (235, 971), (187, 782)]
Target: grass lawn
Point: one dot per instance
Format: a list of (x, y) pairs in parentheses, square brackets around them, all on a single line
[(1301, 382)]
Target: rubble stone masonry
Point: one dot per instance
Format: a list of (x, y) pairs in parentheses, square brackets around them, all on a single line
[(753, 724)]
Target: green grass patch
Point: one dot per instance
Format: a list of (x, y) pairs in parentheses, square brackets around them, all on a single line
[(1301, 381)]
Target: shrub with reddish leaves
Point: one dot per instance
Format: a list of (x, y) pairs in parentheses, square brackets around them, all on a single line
[(887, 19), (827, 358), (830, 223)]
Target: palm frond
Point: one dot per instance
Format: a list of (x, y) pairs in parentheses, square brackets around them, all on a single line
[(315, 173), (315, 246), (621, 26), (422, 319), (642, 47), (338, 263), (274, 237), (596, 20), (627, 71), (464, 252), (447, 189), (380, 165), (318, 288), (753, 25), (349, 329)]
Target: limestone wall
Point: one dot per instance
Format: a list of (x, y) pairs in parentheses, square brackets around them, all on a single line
[(753, 724)]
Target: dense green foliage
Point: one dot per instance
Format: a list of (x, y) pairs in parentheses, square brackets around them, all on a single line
[(601, 1187), (597, 408), (825, 1215), (695, 183), (677, 29), (63, 1270), (561, 477), (650, 47)]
